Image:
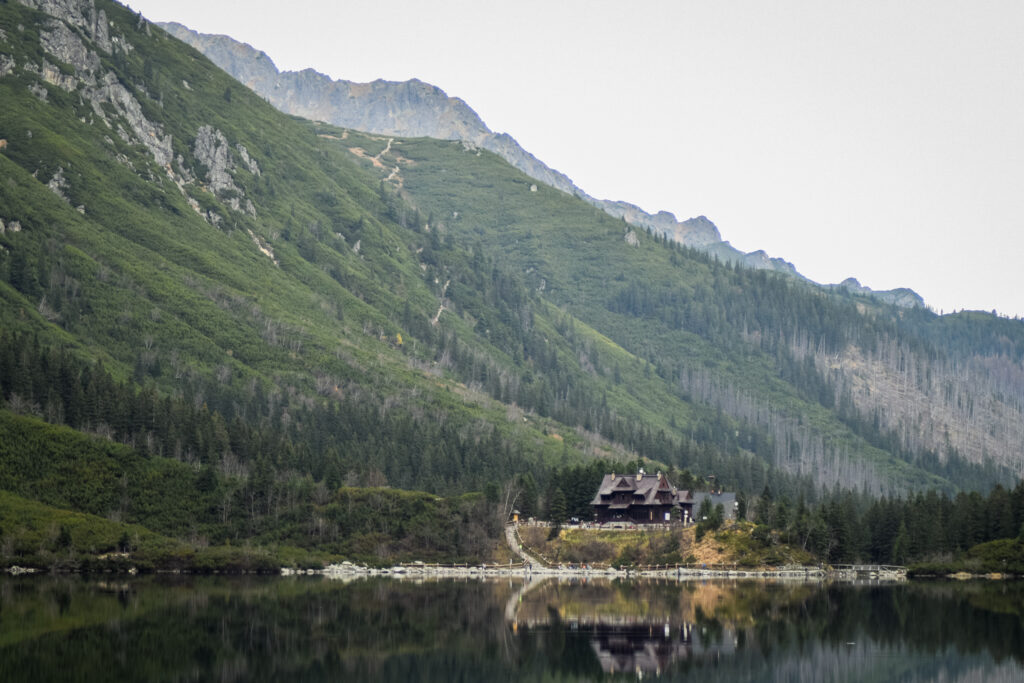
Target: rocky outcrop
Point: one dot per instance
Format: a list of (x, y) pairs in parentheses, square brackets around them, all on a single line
[(39, 91), (6, 65), (64, 44), (249, 162), (80, 14), (58, 184), (264, 247), (75, 35), (55, 76), (10, 226), (759, 260), (694, 232), (507, 148), (146, 132), (97, 87), (903, 297), (211, 149)]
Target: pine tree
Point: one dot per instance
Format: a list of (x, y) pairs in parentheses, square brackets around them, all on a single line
[(900, 545), (557, 510)]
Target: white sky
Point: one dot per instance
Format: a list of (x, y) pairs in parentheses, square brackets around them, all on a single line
[(879, 139)]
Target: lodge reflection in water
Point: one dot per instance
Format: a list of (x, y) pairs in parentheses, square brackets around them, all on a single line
[(643, 649), (631, 628)]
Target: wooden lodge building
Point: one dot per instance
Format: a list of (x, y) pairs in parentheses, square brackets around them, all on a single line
[(639, 499), (650, 499)]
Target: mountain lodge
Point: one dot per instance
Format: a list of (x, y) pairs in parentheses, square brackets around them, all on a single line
[(651, 499)]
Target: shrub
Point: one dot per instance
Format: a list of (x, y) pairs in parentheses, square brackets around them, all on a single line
[(762, 534), (590, 552), (628, 556)]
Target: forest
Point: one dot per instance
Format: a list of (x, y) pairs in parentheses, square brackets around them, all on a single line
[(926, 528)]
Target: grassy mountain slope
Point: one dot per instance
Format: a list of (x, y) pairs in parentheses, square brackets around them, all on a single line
[(837, 383), (146, 283)]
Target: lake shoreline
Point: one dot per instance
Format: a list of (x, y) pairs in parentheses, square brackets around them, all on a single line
[(423, 570), (413, 570)]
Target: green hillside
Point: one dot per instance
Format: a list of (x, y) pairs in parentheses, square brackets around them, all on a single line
[(226, 325), (738, 358)]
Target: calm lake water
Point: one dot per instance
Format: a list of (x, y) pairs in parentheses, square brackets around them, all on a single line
[(314, 629)]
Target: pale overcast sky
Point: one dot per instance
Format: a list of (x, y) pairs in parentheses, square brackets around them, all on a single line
[(879, 139)]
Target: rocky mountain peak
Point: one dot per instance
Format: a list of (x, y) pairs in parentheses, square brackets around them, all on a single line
[(700, 230), (906, 298)]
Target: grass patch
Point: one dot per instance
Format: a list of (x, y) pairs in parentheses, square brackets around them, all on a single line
[(735, 546)]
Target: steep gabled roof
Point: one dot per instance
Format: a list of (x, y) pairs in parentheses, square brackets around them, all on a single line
[(644, 488)]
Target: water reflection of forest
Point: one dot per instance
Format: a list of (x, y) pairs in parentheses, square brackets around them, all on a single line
[(175, 628)]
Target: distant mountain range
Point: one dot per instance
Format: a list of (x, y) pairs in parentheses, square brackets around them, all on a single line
[(417, 109)]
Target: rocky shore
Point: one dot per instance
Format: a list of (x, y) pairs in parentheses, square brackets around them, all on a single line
[(423, 570)]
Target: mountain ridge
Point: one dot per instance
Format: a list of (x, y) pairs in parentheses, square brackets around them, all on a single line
[(414, 108)]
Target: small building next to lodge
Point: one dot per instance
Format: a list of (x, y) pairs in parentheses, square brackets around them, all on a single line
[(714, 498), (651, 499)]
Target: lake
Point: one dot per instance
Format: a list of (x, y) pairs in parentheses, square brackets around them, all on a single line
[(310, 628)]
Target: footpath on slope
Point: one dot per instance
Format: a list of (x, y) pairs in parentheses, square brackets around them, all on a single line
[(512, 536)]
